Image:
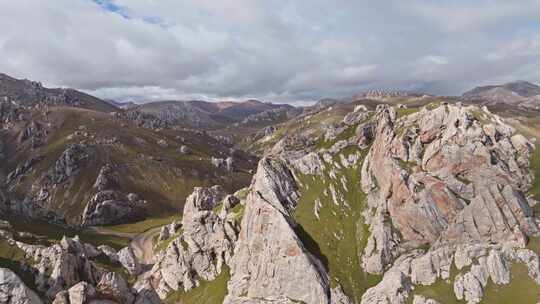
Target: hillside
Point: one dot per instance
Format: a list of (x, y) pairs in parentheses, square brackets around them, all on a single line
[(203, 114), (28, 93), (520, 93), (425, 200), (79, 164)]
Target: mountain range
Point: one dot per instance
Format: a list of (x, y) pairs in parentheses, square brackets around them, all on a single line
[(520, 93), (384, 197)]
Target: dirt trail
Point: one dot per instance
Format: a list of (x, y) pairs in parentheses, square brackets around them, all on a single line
[(142, 243)]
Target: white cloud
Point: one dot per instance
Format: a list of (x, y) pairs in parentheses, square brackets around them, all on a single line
[(276, 50), (465, 16)]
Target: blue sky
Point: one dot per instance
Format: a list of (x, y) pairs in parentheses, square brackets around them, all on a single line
[(281, 51)]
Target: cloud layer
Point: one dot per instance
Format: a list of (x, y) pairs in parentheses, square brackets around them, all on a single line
[(280, 51)]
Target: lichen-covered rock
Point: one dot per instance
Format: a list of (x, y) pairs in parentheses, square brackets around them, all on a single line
[(145, 293), (109, 252), (393, 289), (81, 293), (498, 268)]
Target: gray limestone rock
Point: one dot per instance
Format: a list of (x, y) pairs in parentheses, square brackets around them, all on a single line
[(14, 291), (268, 246), (127, 258)]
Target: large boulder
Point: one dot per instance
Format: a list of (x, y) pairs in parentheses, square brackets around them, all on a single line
[(129, 261), (113, 287), (14, 291), (111, 207)]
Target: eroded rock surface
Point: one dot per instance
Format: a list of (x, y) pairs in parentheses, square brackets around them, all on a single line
[(270, 264), (13, 290), (206, 243), (109, 205), (442, 176)]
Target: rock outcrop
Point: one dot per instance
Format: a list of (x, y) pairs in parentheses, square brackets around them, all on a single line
[(446, 179), (442, 176), (109, 205), (14, 291), (69, 163), (270, 263), (206, 243)]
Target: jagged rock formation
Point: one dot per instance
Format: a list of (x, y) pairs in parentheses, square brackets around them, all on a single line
[(69, 163), (108, 206), (34, 132), (28, 93), (444, 178), (436, 179), (15, 175), (444, 201), (204, 246), (384, 95), (13, 290), (66, 272), (270, 263)]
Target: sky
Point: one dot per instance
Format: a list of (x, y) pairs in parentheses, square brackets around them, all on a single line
[(276, 51)]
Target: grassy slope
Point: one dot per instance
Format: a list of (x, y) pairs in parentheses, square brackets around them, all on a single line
[(209, 292), (55, 233), (12, 257), (164, 183), (145, 225), (340, 257), (522, 289), (314, 123)]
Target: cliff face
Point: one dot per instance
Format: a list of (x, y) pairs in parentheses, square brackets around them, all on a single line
[(445, 177), (270, 262)]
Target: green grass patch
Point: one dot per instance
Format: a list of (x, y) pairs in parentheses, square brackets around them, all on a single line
[(12, 258), (339, 236), (522, 289), (209, 292), (55, 233), (145, 225), (162, 245), (401, 112)]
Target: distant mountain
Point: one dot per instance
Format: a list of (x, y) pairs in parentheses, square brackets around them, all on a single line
[(121, 105), (28, 93), (520, 93), (384, 95), (204, 114)]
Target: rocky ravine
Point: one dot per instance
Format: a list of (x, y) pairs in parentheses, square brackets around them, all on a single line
[(444, 190)]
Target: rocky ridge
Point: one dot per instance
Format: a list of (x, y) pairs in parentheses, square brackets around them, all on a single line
[(445, 200)]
